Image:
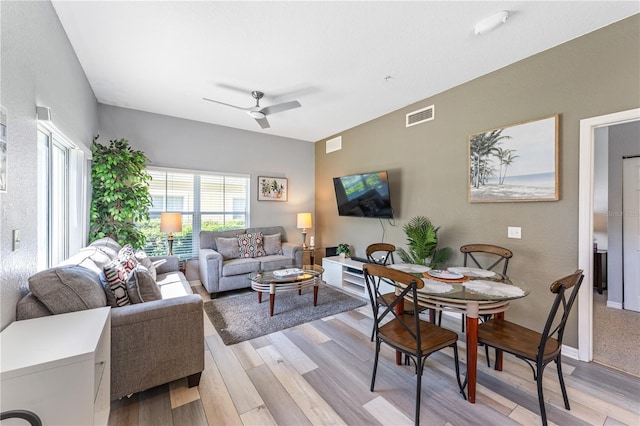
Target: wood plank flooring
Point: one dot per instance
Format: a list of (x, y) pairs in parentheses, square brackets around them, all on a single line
[(319, 374)]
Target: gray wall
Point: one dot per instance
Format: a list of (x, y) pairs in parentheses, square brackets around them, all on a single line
[(590, 76), (178, 143), (39, 67), (624, 140)]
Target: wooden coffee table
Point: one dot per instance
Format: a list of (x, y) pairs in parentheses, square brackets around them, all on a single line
[(266, 281)]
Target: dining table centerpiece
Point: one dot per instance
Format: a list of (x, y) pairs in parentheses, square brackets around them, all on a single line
[(422, 244)]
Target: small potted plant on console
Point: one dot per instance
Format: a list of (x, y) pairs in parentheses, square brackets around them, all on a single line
[(344, 250)]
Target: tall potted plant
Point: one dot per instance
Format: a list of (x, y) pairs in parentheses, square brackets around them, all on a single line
[(120, 192), (422, 242)]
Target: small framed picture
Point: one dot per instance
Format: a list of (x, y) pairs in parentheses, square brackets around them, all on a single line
[(272, 188)]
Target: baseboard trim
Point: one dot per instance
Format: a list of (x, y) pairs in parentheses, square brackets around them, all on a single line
[(570, 352), (614, 305)]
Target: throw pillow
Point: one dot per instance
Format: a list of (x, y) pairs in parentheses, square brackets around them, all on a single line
[(144, 260), (68, 289), (273, 244), (128, 258), (141, 287), (228, 247), (115, 285), (251, 245)]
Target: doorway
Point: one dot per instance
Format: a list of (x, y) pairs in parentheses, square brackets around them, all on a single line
[(585, 222)]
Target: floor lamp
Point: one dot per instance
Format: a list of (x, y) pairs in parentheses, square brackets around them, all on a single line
[(170, 223)]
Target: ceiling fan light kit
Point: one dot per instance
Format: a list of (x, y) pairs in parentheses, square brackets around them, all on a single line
[(491, 23), (260, 113)]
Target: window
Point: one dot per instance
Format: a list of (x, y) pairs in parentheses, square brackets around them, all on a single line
[(63, 182), (207, 201)]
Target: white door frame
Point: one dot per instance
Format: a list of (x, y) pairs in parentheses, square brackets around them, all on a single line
[(585, 223)]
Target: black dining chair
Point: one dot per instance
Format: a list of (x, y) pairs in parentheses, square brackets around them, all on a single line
[(415, 338), (537, 349), (29, 416), (381, 254)]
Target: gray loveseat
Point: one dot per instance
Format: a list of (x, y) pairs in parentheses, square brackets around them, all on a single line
[(152, 342), (222, 268)]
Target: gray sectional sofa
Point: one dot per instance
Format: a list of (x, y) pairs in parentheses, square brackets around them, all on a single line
[(155, 340), (223, 268)]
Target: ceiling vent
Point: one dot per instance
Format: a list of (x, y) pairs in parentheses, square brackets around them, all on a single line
[(421, 116)]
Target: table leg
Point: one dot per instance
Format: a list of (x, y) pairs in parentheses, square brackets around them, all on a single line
[(472, 350), (259, 296), (432, 316), (272, 298), (499, 353), (315, 292)]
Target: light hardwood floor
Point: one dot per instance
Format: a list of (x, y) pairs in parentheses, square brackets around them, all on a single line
[(319, 373)]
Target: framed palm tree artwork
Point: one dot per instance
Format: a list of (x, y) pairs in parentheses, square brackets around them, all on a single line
[(515, 163)]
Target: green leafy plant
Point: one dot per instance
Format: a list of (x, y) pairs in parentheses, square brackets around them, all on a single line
[(422, 242), (120, 192), (344, 248)]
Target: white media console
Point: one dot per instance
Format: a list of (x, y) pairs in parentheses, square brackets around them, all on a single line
[(346, 274)]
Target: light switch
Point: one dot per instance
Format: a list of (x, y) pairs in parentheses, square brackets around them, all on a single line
[(16, 239), (514, 232)]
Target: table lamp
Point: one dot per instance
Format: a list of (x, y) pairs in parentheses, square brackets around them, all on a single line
[(304, 222), (170, 222)]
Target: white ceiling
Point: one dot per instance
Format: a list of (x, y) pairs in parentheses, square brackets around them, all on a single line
[(165, 56)]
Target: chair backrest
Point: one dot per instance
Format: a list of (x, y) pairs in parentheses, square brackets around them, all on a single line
[(385, 251), (557, 319), (503, 256), (405, 283)]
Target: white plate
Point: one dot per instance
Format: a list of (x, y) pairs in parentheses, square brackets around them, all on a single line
[(472, 272), (410, 268), (444, 274)]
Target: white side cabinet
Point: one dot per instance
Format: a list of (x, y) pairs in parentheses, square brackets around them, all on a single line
[(59, 367), (347, 274)]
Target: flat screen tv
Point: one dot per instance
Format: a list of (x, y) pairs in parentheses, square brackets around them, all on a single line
[(364, 195)]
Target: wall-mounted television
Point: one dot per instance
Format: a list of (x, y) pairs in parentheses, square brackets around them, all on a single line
[(364, 195)]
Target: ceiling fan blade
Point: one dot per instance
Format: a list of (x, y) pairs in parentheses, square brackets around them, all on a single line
[(229, 105), (272, 109), (263, 122)]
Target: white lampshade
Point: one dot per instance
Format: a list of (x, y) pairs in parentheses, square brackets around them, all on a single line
[(171, 222), (304, 220)]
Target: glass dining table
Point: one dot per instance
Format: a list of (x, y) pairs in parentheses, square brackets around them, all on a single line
[(469, 291)]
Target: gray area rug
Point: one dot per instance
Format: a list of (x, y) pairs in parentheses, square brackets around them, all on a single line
[(240, 318)]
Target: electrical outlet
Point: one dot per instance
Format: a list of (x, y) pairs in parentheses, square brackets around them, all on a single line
[(514, 232)]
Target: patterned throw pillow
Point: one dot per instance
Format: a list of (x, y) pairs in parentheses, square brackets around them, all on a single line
[(116, 283), (127, 257), (251, 245)]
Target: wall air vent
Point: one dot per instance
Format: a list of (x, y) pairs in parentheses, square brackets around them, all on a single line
[(421, 115)]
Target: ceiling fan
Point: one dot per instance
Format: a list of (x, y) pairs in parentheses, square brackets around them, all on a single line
[(260, 113)]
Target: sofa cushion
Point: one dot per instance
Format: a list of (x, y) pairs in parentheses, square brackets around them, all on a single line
[(228, 247), (141, 287), (251, 245), (68, 289), (208, 238), (115, 284), (273, 244), (146, 261), (240, 266), (276, 261), (89, 257), (30, 307), (107, 244), (173, 284)]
